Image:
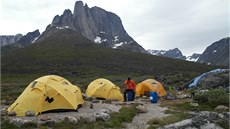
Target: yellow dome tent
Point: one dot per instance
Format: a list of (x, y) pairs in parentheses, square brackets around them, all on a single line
[(103, 88), (150, 85), (47, 93)]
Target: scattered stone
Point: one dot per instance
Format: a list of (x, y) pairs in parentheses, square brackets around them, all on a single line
[(105, 111), (105, 116), (3, 112), (142, 109), (221, 108), (182, 96), (71, 119), (102, 116), (45, 118), (194, 104), (30, 113), (20, 122), (13, 113), (48, 123), (221, 116), (88, 118), (170, 96)]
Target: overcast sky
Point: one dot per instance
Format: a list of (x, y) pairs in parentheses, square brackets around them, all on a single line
[(190, 25)]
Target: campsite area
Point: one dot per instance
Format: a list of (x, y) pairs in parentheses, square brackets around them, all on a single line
[(176, 109)]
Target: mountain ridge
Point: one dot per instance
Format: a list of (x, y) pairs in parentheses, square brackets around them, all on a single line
[(98, 25)]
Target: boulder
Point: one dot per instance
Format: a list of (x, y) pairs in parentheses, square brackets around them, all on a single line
[(102, 116), (30, 113), (88, 118), (71, 119), (194, 104), (221, 108), (214, 80), (142, 109), (13, 113), (45, 118)]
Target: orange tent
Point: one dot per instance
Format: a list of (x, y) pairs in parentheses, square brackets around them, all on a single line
[(150, 85)]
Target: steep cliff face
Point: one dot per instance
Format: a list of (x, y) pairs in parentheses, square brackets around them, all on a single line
[(29, 38), (217, 53), (9, 39), (96, 24), (19, 40)]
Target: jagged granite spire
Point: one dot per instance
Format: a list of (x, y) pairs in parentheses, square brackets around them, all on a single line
[(98, 25)]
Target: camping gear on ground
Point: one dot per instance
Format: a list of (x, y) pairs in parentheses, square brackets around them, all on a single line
[(196, 80), (153, 97), (130, 95), (103, 88), (48, 93), (150, 85)]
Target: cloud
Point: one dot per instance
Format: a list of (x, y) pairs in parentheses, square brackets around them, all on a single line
[(190, 25)]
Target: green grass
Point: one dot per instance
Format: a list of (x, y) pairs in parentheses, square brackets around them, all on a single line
[(172, 118), (213, 97), (223, 124), (187, 107), (7, 125)]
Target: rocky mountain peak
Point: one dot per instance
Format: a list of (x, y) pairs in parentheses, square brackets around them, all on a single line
[(217, 53), (98, 25), (29, 38), (9, 39), (171, 53)]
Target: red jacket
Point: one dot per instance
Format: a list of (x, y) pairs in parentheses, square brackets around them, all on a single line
[(130, 84)]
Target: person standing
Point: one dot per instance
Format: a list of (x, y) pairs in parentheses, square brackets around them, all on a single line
[(130, 87)]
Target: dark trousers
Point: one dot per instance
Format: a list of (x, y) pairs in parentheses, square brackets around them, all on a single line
[(128, 90)]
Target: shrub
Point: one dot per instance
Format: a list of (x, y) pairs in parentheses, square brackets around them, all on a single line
[(213, 97)]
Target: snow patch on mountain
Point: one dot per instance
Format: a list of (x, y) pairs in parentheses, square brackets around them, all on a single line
[(97, 40), (118, 44), (63, 27)]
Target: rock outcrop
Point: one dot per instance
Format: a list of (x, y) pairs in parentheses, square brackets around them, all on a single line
[(98, 25)]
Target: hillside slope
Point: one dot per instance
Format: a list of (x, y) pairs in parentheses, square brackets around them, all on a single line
[(66, 52), (217, 53)]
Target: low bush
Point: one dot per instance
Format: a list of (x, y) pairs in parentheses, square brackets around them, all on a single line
[(213, 97)]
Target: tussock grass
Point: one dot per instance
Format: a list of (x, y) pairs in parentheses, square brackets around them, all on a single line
[(126, 115), (173, 117)]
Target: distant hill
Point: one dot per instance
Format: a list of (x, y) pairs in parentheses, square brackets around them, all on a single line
[(171, 53), (9, 39), (98, 25), (66, 52), (194, 57), (21, 42), (217, 53)]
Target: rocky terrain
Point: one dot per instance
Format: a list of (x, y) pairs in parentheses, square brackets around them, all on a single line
[(101, 110), (98, 25)]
